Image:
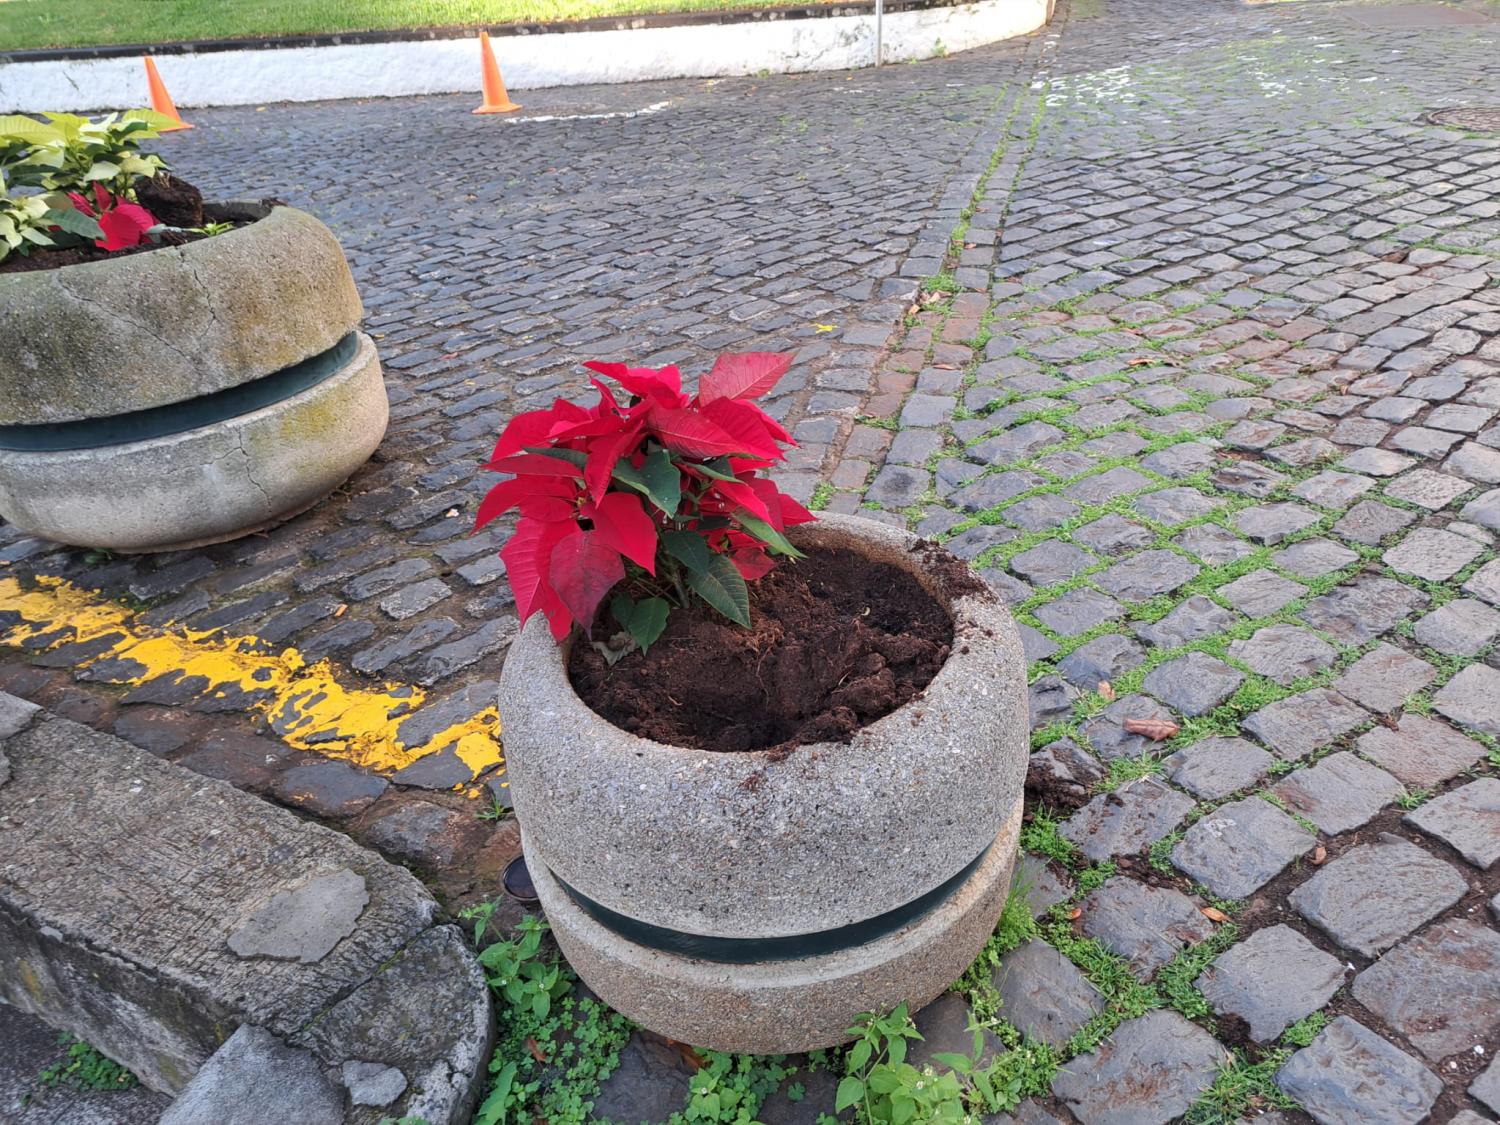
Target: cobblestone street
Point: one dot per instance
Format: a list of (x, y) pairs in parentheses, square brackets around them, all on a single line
[(1179, 319)]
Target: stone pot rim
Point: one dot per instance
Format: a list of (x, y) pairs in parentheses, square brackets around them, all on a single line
[(967, 612), (131, 332), (734, 844)]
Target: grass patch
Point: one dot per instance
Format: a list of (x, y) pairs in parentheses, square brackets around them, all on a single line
[(1241, 1090), (1176, 978), (78, 23)]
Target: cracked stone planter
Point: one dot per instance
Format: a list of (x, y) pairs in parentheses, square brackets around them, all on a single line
[(743, 904), (186, 395)]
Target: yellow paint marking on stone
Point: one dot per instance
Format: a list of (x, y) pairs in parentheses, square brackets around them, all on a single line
[(305, 704)]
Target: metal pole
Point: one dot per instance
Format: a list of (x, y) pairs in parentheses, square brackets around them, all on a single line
[(879, 17)]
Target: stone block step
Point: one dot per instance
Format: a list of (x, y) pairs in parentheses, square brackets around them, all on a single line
[(215, 943)]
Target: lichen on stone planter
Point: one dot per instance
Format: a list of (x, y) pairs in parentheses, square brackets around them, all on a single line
[(187, 394), (743, 903)]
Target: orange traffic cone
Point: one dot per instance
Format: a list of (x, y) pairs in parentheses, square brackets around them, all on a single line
[(161, 101), (496, 100)]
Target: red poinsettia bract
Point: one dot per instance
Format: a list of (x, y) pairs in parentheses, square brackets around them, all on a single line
[(124, 224), (654, 485)]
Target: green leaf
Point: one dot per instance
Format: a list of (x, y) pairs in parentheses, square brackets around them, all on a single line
[(723, 587), (884, 1080), (717, 469), (572, 456), (657, 479), (779, 543), (74, 222), (897, 1051), (68, 124), (688, 548), (850, 1091), (986, 1088), (149, 117), (663, 481), (953, 1061), (28, 129), (101, 170), (648, 621), (493, 1111), (859, 1054), (643, 620)]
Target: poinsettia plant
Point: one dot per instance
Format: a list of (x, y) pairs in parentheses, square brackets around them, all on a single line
[(120, 224), (659, 497)]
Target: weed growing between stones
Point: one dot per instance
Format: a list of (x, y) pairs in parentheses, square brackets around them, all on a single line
[(495, 810), (84, 1068), (1175, 980), (1246, 1086), (977, 985), (555, 1047), (882, 1087), (729, 1089), (1242, 1087)]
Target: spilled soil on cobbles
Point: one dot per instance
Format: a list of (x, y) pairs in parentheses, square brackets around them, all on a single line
[(836, 641)]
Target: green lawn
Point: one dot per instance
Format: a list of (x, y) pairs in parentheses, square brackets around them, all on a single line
[(88, 23)]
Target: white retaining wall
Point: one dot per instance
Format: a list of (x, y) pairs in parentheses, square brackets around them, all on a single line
[(444, 66)]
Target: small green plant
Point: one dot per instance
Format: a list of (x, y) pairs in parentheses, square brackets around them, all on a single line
[(1413, 797), (885, 1089), (495, 810), (1042, 837), (517, 973), (1015, 927), (1122, 771), (480, 914), (1305, 1030), (84, 1068), (555, 1049), (729, 1089), (1175, 980)]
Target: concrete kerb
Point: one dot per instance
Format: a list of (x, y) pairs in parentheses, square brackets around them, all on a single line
[(213, 942), (828, 38)]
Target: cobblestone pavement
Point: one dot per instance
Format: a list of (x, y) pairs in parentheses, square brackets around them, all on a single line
[(1207, 386)]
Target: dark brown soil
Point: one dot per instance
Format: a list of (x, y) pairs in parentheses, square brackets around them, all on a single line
[(835, 643), (77, 255), (172, 201)]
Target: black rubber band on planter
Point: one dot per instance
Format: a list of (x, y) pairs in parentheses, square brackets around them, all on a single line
[(746, 951), (180, 417)]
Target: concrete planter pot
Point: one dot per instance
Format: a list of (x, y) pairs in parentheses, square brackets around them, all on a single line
[(741, 904), (185, 395)]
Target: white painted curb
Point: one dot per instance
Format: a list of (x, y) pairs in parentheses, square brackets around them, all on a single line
[(447, 66)]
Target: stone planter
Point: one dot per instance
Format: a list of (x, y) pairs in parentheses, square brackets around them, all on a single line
[(188, 395), (741, 904)]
